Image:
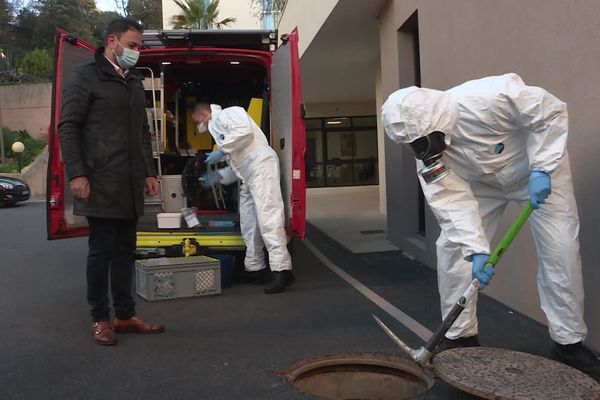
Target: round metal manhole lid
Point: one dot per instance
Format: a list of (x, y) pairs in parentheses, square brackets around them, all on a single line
[(501, 374)]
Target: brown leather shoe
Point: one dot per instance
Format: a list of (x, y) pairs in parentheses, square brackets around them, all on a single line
[(137, 325), (103, 334)]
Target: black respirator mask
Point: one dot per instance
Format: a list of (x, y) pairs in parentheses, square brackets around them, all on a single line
[(430, 149)]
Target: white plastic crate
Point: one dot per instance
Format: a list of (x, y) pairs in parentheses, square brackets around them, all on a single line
[(170, 278)]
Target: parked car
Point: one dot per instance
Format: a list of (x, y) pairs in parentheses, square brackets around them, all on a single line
[(13, 190)]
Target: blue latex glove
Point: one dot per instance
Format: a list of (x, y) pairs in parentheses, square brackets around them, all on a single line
[(214, 157), (480, 272), (210, 179), (540, 187)]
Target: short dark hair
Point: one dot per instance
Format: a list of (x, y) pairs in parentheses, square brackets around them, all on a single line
[(119, 26), (201, 106)]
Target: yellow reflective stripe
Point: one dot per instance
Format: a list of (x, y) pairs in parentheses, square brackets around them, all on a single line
[(160, 239)]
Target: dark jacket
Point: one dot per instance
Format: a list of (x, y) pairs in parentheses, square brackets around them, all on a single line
[(104, 136)]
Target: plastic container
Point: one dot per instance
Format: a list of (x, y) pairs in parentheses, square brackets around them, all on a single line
[(189, 215), (227, 268), (170, 278), (169, 220), (173, 198)]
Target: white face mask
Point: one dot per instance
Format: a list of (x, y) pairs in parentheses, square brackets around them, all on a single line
[(202, 127), (128, 58)]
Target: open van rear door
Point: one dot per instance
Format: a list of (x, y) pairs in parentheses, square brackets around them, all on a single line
[(289, 131), (69, 52)]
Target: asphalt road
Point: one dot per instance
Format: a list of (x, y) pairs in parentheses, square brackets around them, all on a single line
[(221, 347)]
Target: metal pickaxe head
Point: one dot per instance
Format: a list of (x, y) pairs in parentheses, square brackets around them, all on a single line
[(421, 356)]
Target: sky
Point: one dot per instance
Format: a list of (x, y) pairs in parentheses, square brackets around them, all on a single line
[(106, 5)]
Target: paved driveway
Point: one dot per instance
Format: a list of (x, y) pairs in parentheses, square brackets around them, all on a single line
[(221, 347)]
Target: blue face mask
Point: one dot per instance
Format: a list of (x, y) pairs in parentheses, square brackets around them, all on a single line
[(128, 58)]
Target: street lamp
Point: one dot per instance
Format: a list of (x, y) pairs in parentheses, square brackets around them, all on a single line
[(18, 148)]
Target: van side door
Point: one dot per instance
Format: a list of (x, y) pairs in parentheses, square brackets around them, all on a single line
[(289, 131), (69, 52)]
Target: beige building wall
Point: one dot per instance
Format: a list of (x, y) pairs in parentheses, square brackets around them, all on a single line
[(169, 9), (239, 9), (27, 107), (308, 16), (380, 144), (550, 43)]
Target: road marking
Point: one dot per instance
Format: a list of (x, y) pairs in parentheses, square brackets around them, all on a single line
[(382, 303)]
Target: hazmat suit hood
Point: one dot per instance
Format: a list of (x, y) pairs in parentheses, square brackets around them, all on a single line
[(411, 113)]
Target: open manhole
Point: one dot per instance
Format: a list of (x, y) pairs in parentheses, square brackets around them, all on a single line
[(360, 376)]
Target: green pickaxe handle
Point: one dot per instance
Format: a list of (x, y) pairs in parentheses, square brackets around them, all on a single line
[(510, 235), (496, 255)]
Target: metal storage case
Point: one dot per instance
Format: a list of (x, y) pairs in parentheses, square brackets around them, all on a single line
[(169, 278)]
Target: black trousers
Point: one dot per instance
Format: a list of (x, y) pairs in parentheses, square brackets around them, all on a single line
[(110, 259)]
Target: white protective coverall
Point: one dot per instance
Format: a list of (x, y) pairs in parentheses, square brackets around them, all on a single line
[(497, 130), (262, 219)]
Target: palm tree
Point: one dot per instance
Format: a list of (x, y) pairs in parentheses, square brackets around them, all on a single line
[(196, 14)]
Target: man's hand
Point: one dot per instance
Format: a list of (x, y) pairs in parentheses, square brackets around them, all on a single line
[(80, 187), (152, 186)]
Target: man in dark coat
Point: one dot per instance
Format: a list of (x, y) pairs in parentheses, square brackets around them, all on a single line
[(106, 146)]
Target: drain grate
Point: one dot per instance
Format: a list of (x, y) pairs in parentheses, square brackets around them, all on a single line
[(372, 232)]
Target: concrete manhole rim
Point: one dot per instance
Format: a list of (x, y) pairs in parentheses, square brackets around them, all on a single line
[(300, 368)]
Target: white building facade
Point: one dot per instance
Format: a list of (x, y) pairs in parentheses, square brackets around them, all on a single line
[(246, 17)]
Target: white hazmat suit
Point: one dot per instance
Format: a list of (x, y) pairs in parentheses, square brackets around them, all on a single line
[(262, 219), (497, 130)]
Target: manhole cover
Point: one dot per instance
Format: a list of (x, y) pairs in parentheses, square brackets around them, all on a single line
[(501, 374), (360, 377)]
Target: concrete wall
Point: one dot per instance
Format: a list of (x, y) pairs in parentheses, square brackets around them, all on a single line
[(239, 9), (309, 16), (27, 107), (550, 43), (380, 144)]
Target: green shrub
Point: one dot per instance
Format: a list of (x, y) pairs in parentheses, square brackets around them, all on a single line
[(33, 147), (37, 63), (12, 167)]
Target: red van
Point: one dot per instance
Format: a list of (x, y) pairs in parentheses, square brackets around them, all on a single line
[(246, 68)]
